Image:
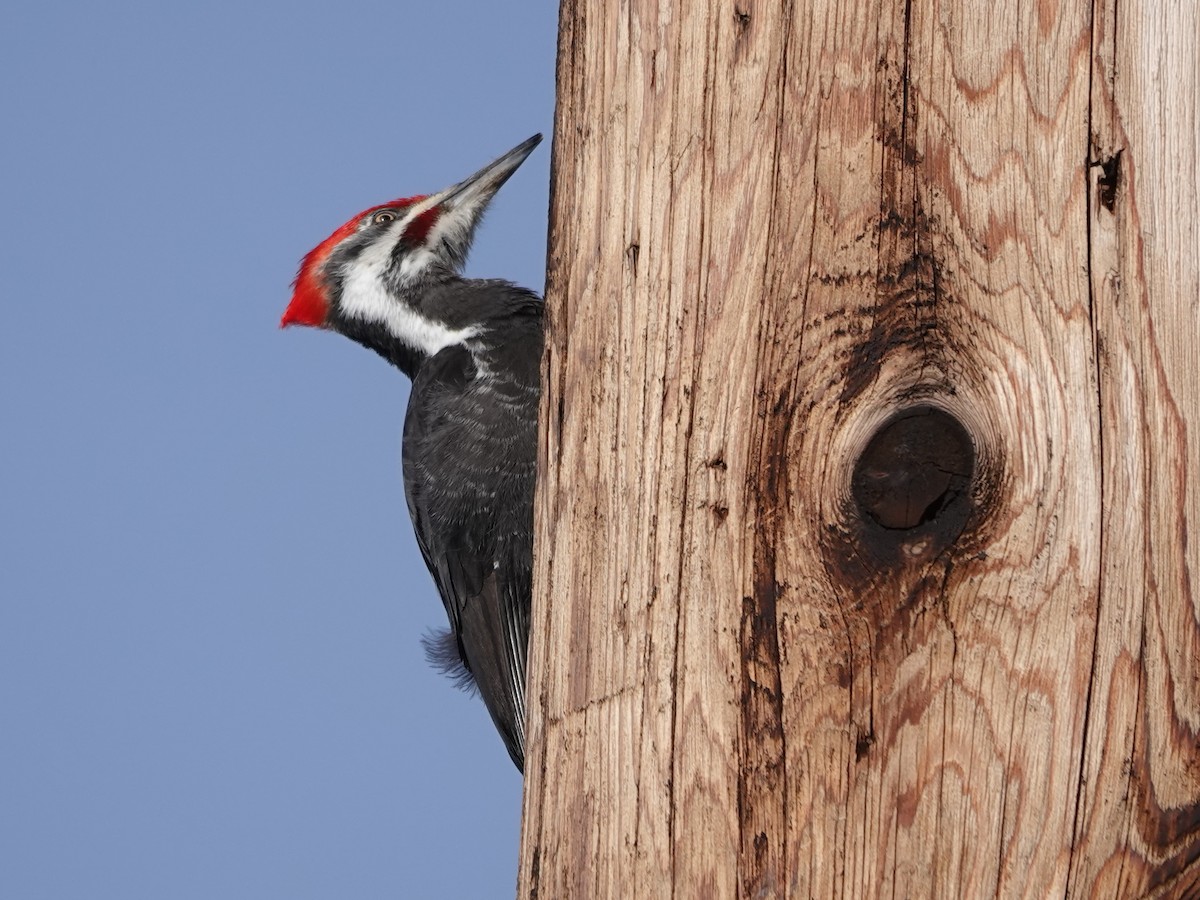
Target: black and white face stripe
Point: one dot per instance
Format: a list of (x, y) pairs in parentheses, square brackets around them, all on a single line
[(373, 289)]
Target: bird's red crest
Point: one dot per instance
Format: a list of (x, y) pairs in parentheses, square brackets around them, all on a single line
[(310, 296)]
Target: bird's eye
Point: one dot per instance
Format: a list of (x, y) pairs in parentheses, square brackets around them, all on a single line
[(383, 217)]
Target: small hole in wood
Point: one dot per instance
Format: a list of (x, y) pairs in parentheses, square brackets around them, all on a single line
[(914, 469), (1109, 180)]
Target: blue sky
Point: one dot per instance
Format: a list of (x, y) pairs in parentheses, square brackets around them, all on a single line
[(211, 683)]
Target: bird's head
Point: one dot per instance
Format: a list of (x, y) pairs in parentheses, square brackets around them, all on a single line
[(371, 279)]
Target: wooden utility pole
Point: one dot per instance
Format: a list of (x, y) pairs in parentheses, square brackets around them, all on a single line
[(868, 557)]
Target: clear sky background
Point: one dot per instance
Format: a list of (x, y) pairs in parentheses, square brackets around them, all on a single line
[(211, 684)]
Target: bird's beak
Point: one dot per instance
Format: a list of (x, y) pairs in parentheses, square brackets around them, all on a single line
[(475, 192), (460, 207)]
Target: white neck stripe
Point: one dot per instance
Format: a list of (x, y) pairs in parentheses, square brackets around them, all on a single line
[(364, 298)]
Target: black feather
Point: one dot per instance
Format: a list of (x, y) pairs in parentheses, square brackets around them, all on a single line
[(470, 462), (443, 652)]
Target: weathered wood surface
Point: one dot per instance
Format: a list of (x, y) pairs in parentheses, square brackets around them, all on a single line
[(774, 227)]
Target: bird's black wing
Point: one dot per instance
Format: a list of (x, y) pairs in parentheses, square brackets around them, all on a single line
[(469, 470)]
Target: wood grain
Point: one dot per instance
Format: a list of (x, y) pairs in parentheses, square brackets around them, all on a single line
[(774, 228)]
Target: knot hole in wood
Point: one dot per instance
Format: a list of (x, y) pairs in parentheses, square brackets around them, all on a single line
[(913, 481)]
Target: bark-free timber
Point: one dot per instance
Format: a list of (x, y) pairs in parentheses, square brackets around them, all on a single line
[(867, 560)]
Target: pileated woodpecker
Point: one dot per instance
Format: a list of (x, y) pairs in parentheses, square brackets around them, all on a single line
[(390, 279)]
